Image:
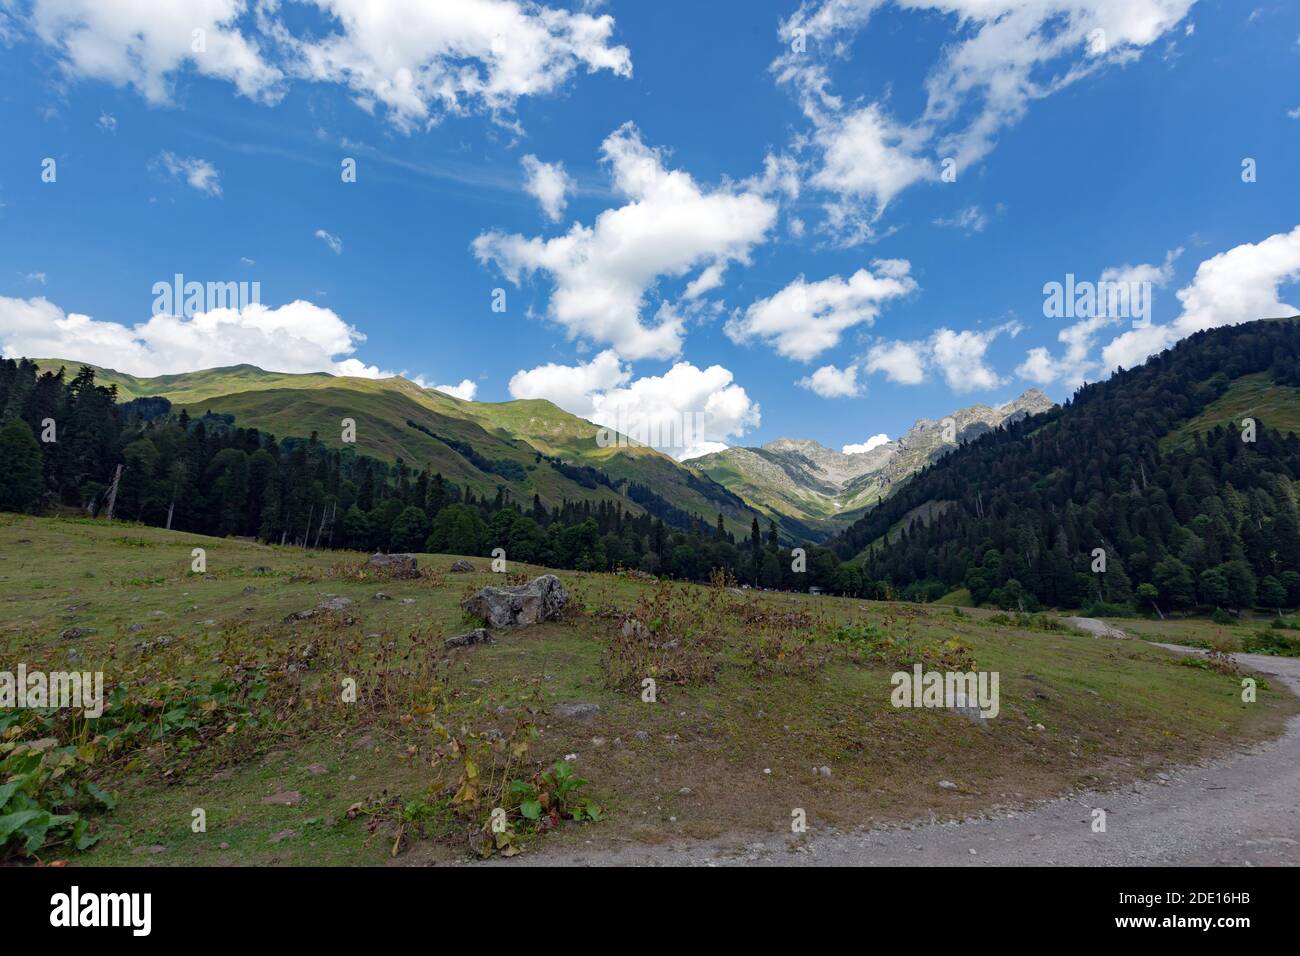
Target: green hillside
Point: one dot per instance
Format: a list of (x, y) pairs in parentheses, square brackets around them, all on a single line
[(1256, 396), (295, 405)]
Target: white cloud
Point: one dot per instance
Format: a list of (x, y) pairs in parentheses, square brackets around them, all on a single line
[(466, 390), (334, 242), (701, 449), (1294, 114), (902, 362), (831, 382), (1078, 365), (144, 45), (701, 408), (806, 318), (198, 173), (866, 157), (670, 227), (34, 277), (960, 357), (107, 122), (875, 441), (296, 337), (573, 387), (970, 220), (1240, 285), (416, 59), (549, 184), (1003, 55)]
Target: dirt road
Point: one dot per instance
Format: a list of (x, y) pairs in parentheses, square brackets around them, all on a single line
[(1238, 810)]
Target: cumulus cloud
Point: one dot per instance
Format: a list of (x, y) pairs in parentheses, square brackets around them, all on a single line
[(334, 243), (1005, 54), (573, 387), (669, 227), (418, 59), (831, 382), (414, 59), (875, 441), (197, 173), (698, 409), (1240, 285), (960, 357), (1078, 364), (144, 45), (903, 363), (296, 337), (466, 390), (806, 318), (549, 184)]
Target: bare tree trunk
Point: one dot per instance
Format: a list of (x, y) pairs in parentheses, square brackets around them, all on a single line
[(112, 491)]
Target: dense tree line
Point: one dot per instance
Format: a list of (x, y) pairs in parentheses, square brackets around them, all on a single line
[(209, 476), (1208, 521)]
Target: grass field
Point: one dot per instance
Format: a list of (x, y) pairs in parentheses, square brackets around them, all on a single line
[(230, 704)]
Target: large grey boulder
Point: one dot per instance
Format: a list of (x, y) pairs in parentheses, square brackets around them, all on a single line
[(541, 599), (394, 565)]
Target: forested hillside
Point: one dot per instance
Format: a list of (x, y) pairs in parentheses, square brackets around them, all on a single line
[(211, 476), (1188, 509)]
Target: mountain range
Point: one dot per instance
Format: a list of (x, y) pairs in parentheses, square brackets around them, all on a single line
[(804, 483), (532, 446)]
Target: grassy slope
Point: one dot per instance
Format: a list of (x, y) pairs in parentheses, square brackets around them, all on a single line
[(1112, 710), (294, 405), (1251, 396)]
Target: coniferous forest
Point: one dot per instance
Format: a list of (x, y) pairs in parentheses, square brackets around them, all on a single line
[(1184, 518)]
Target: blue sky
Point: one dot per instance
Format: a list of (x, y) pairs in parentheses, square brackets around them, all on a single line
[(751, 223)]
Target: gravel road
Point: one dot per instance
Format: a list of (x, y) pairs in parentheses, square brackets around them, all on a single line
[(1237, 810)]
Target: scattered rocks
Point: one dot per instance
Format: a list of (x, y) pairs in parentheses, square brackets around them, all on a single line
[(381, 596), (577, 711), (133, 628), (542, 599), (460, 566), (477, 636), (316, 769), (408, 600), (284, 798), (394, 565), (148, 647), (822, 771), (947, 785), (334, 604), (364, 743), (72, 633)]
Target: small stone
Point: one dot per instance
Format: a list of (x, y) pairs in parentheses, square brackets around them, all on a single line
[(381, 596), (72, 633), (316, 769), (290, 834), (285, 798), (477, 636), (577, 711), (947, 785), (461, 566)]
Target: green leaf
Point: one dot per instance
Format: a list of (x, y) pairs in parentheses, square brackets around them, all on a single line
[(13, 821), (102, 796), (531, 809)]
